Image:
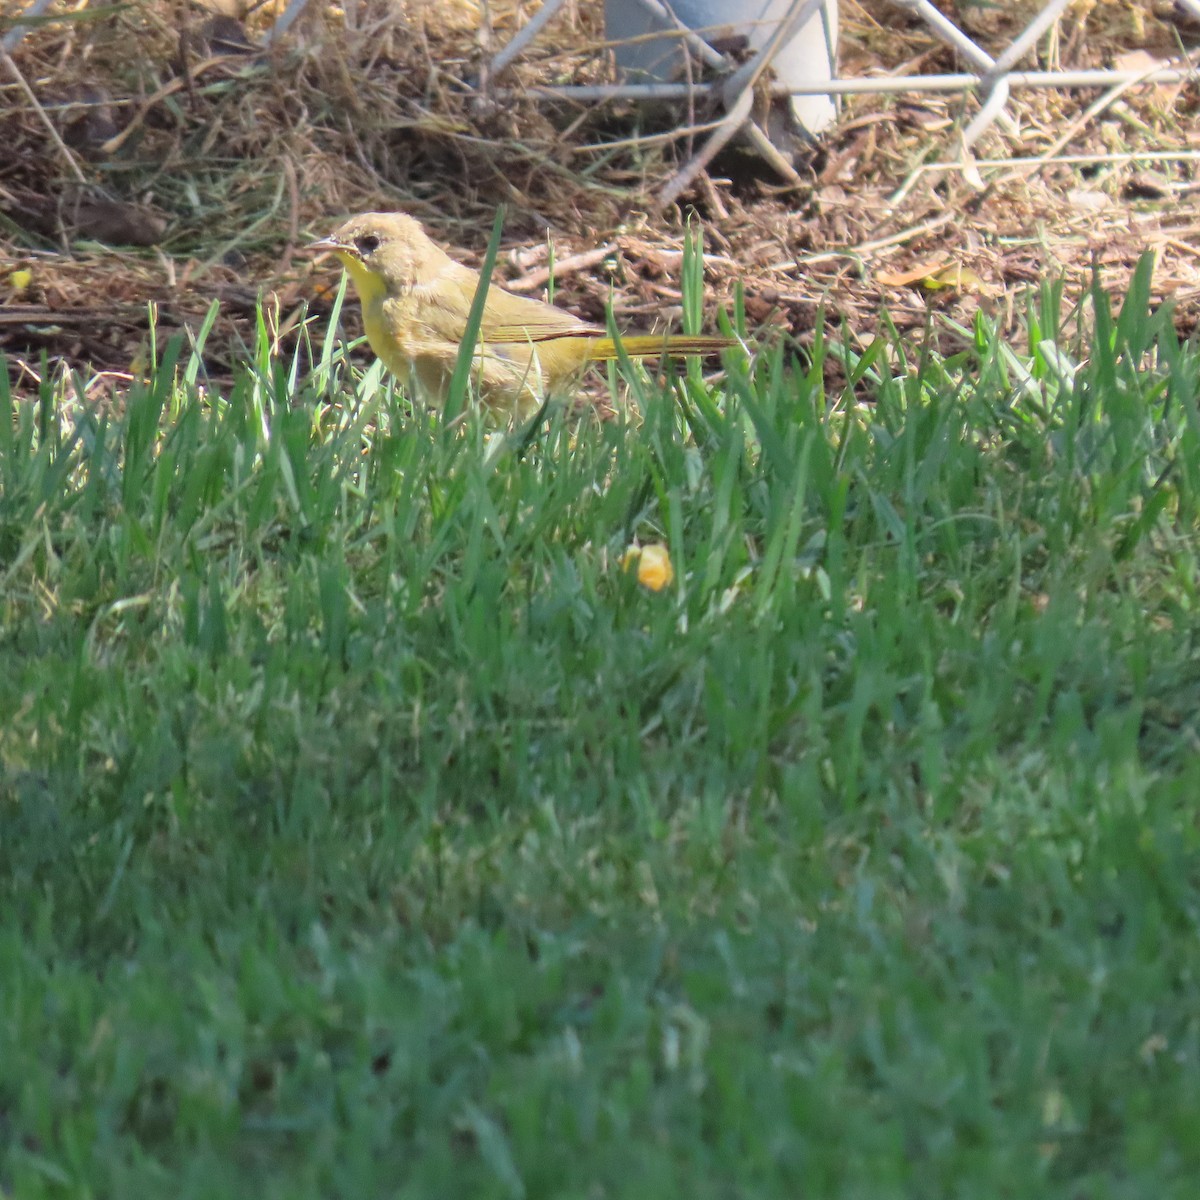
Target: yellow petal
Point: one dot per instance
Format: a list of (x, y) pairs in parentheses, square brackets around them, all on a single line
[(21, 279), (654, 567)]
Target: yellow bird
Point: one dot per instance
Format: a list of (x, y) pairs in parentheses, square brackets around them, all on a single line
[(415, 301)]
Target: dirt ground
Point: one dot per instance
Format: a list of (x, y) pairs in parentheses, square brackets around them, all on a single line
[(161, 154)]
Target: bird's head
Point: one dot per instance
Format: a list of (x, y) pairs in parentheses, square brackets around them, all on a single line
[(385, 253)]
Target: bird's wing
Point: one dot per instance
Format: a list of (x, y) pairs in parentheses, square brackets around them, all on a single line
[(506, 318)]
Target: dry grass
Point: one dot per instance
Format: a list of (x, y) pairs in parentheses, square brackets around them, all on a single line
[(217, 156)]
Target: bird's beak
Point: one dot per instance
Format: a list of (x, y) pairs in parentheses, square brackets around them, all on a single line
[(324, 245)]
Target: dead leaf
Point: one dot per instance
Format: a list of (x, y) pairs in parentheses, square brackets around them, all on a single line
[(1164, 94), (918, 273)]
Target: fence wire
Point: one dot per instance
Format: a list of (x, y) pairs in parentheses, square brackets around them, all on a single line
[(992, 78)]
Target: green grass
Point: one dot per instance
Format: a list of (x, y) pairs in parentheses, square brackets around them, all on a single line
[(365, 831)]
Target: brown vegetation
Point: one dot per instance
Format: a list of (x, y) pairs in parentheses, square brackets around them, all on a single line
[(170, 153)]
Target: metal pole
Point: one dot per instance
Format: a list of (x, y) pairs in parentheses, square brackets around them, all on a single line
[(1093, 78)]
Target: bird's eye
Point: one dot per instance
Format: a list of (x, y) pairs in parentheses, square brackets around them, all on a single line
[(367, 244)]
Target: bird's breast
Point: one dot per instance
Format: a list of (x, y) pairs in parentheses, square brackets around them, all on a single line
[(389, 336)]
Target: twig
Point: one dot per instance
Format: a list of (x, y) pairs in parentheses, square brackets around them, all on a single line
[(864, 248), (1041, 160), (1094, 110), (36, 105), (293, 190), (1182, 246), (646, 140), (733, 120), (562, 266), (155, 98), (37, 314), (753, 132)]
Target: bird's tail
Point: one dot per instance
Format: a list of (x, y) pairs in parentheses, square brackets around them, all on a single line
[(649, 345)]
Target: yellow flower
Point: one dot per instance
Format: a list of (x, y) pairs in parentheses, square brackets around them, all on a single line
[(654, 569)]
